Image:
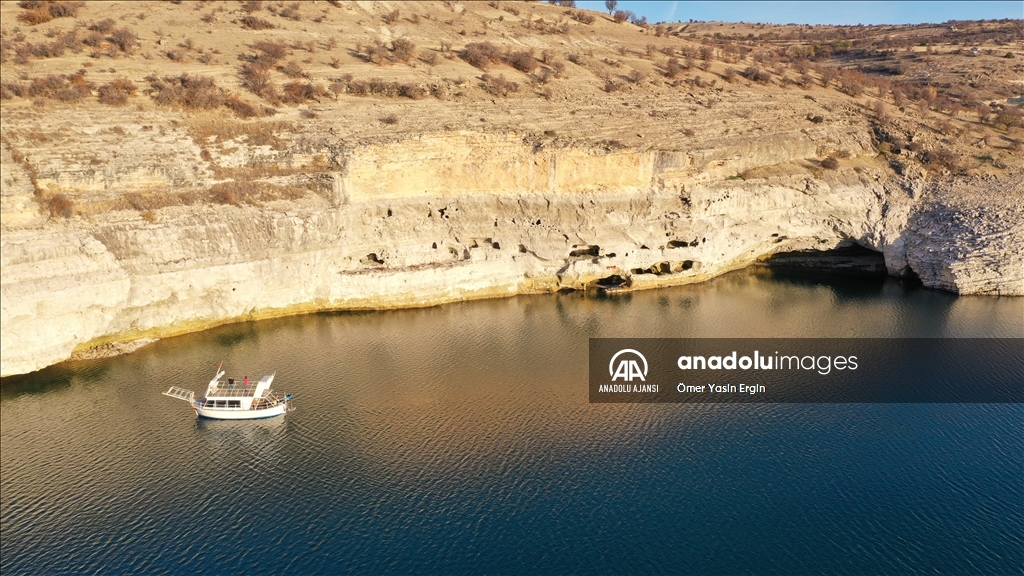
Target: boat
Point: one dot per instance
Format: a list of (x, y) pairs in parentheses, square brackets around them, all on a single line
[(234, 400)]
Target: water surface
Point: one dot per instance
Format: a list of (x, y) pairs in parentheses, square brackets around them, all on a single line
[(459, 439)]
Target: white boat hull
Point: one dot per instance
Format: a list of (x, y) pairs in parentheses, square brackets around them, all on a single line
[(241, 414)]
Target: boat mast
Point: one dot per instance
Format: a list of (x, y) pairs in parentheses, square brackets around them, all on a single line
[(213, 383)]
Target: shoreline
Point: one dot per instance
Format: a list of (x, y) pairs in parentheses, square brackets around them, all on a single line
[(128, 344)]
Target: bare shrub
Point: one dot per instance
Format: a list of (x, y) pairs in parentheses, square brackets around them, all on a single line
[(377, 54), (270, 51), (941, 158), (60, 205), (413, 91), (291, 12), (47, 50), (124, 39), (1010, 117), (255, 23), (69, 94), (636, 76), (498, 85), (673, 68), (64, 9), (299, 92), (828, 75), (880, 110), (105, 26), (852, 82), (255, 79), (116, 92), (251, 6), (757, 75), (293, 70), (187, 91), (340, 85), (35, 16), (93, 39), (244, 109), (390, 120), (612, 85), (391, 17), (481, 54), (620, 16), (177, 56), (404, 50), (228, 193), (583, 17), (522, 61), (54, 86)]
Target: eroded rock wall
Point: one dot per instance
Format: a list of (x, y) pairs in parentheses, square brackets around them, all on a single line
[(458, 216)]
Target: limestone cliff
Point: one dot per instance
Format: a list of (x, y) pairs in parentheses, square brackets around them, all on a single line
[(458, 215)]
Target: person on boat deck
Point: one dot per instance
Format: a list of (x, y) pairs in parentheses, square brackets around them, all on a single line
[(246, 380)]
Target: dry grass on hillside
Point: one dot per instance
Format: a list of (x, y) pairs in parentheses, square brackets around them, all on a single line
[(937, 95)]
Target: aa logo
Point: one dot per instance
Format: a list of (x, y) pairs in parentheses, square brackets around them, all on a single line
[(627, 368)]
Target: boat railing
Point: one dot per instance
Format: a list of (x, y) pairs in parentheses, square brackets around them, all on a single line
[(180, 393), (233, 389), (233, 401), (270, 400)]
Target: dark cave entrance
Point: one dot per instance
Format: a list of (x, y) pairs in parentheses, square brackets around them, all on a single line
[(851, 259)]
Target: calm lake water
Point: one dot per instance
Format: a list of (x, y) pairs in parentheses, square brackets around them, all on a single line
[(459, 440)]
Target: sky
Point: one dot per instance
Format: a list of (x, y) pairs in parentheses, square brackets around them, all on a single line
[(811, 12)]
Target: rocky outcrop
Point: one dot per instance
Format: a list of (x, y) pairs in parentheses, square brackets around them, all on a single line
[(456, 216)]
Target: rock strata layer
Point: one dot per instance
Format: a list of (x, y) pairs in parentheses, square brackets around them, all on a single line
[(457, 216)]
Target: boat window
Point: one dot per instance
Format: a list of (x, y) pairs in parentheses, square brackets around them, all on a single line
[(234, 403), (220, 403)]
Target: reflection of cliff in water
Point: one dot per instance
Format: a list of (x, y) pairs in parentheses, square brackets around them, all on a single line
[(852, 260), (53, 378)]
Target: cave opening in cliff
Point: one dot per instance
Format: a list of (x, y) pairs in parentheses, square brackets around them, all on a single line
[(584, 250), (613, 281), (843, 259)]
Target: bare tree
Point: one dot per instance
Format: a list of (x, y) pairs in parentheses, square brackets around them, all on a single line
[(610, 5)]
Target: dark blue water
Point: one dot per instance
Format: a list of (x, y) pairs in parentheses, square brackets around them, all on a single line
[(459, 440)]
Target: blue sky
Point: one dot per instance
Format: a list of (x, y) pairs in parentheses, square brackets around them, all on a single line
[(818, 12)]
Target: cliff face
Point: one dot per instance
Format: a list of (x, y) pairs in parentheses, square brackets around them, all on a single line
[(451, 216)]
